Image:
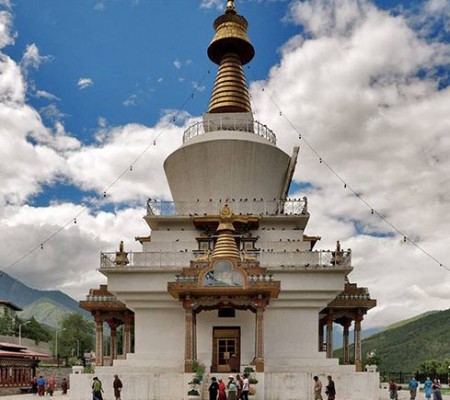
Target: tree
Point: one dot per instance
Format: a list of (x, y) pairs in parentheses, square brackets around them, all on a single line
[(75, 336), (32, 329)]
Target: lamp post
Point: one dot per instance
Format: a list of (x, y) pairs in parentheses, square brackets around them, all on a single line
[(20, 331), (56, 344)]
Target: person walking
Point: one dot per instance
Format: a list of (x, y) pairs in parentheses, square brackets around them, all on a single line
[(51, 385), (437, 395), (117, 386), (34, 386), (41, 385), (393, 393), (317, 388), (412, 386), (232, 388), (97, 389), (213, 389), (427, 387), (64, 386), (330, 390)]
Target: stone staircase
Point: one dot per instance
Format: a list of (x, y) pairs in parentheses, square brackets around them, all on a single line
[(204, 394)]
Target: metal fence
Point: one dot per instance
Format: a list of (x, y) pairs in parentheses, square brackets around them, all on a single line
[(229, 124), (239, 206)]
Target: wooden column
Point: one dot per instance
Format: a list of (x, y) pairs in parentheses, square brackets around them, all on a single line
[(127, 323), (321, 325), (259, 335), (189, 336), (98, 339), (346, 326), (330, 335), (358, 365), (113, 341)]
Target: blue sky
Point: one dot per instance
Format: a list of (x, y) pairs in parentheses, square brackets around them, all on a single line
[(87, 87)]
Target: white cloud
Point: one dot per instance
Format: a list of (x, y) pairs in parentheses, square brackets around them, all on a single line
[(32, 58), (46, 95), (218, 4), (99, 6), (177, 64), (359, 95), (6, 35), (131, 101), (84, 83)]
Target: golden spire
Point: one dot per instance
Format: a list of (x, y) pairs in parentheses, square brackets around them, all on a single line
[(226, 244), (230, 48)]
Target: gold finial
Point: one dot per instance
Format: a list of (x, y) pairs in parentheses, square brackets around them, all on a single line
[(230, 7), (230, 48), (226, 244)]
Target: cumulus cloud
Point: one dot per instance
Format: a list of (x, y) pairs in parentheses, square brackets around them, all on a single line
[(46, 95), (363, 91), (84, 83), (218, 4)]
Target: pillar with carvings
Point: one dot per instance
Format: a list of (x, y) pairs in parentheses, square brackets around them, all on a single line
[(346, 326), (330, 335), (189, 336), (127, 324), (358, 364), (98, 339), (259, 335)]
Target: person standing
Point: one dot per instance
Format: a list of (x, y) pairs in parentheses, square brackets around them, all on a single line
[(330, 389), (245, 388), (213, 389), (34, 386), (117, 386), (427, 387), (239, 384), (413, 385), (222, 391), (232, 389), (317, 388), (97, 389)]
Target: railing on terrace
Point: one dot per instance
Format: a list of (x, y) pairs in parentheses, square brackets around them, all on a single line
[(239, 206), (100, 298), (176, 260), (228, 124)]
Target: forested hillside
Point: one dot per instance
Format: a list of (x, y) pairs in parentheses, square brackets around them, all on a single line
[(404, 346)]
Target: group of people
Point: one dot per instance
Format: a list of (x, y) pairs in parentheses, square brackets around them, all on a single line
[(429, 386), (97, 389), (236, 388), (330, 389), (40, 386)]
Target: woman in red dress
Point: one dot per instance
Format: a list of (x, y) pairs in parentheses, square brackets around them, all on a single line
[(222, 393)]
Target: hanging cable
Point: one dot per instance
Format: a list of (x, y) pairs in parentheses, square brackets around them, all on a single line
[(346, 185), (129, 168)]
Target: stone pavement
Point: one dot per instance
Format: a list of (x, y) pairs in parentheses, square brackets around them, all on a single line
[(384, 395)]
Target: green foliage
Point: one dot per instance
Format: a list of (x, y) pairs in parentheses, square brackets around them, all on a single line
[(75, 336), (406, 346), (248, 370), (6, 325), (198, 368), (35, 331), (193, 392)]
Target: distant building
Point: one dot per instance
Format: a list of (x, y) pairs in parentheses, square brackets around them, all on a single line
[(17, 365), (9, 309)]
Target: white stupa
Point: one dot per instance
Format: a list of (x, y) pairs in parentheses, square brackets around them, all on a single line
[(228, 278)]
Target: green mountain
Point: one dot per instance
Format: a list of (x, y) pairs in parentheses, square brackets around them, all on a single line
[(47, 306), (45, 311), (405, 345)]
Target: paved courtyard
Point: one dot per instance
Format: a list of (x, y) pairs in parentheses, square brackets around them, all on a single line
[(384, 395)]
